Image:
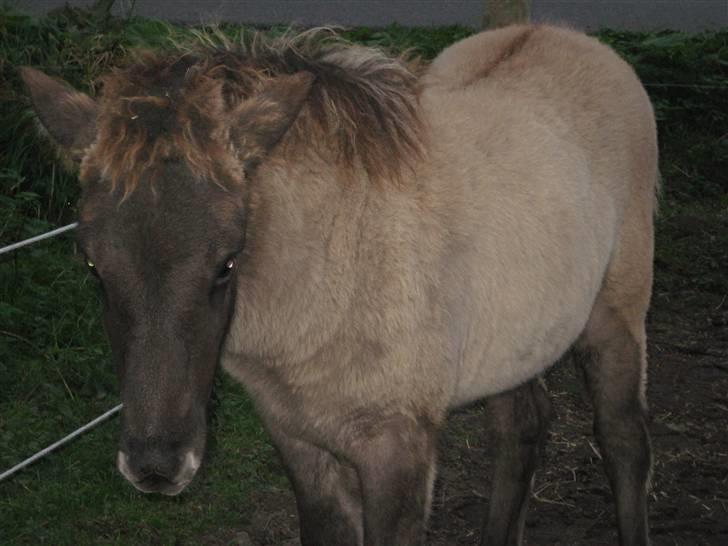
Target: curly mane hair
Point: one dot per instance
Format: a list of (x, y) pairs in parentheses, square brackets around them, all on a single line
[(185, 103)]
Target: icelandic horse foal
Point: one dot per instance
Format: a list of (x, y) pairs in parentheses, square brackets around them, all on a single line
[(365, 247)]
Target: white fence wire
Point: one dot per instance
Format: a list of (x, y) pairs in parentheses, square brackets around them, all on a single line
[(101, 418), (31, 240), (43, 452)]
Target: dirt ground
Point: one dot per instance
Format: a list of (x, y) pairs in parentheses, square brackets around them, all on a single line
[(571, 503)]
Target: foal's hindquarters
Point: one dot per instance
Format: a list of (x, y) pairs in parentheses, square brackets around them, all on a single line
[(579, 188)]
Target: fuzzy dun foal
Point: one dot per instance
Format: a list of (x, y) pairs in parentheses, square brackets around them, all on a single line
[(365, 246)]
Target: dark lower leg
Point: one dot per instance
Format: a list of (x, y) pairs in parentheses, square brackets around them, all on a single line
[(613, 371), (327, 495), (520, 419), (627, 459), (396, 470)]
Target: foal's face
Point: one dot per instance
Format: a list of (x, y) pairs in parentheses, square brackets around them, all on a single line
[(167, 255), (166, 258)]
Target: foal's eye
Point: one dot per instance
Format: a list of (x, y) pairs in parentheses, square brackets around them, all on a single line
[(225, 271), (91, 267)]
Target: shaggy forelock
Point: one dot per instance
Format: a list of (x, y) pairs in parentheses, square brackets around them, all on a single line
[(178, 104)]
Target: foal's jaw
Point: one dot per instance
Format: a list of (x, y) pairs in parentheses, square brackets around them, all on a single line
[(159, 484)]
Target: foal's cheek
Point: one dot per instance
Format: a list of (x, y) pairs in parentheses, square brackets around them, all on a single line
[(219, 297), (214, 328), (116, 325), (115, 338), (222, 303)]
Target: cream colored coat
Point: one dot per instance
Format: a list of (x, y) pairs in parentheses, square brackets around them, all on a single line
[(480, 269)]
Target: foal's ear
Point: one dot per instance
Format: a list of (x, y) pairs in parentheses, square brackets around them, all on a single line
[(67, 115), (262, 119)]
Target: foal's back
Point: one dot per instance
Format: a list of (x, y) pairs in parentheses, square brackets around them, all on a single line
[(564, 86)]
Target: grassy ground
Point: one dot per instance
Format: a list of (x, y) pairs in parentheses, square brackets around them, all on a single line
[(54, 366)]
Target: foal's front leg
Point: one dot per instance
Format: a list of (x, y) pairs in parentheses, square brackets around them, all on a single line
[(396, 466), (327, 494)]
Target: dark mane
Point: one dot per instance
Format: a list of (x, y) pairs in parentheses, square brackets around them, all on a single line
[(363, 104)]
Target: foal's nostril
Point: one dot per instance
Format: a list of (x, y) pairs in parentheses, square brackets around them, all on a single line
[(150, 459), (152, 474), (154, 481), (156, 464), (152, 471)]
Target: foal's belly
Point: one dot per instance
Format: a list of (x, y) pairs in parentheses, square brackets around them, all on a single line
[(527, 302), (515, 354)]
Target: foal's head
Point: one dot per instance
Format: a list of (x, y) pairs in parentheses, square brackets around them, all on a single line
[(162, 225), (170, 158)]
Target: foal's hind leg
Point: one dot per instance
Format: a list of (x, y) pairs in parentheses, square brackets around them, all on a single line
[(612, 353), (520, 419)]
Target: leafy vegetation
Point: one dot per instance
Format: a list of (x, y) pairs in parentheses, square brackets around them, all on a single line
[(55, 372)]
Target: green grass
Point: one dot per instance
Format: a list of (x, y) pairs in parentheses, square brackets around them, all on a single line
[(55, 372), (78, 497)]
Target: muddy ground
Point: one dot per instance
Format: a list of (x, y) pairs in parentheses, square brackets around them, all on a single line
[(571, 503)]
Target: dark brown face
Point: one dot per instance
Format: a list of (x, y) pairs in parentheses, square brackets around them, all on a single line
[(166, 258), (166, 255)]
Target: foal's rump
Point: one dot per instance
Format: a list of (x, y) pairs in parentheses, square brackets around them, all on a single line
[(543, 145)]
